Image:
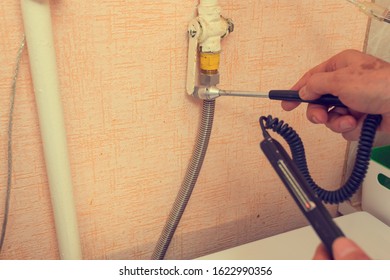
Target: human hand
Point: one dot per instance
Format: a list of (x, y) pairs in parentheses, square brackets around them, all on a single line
[(343, 249), (362, 83)]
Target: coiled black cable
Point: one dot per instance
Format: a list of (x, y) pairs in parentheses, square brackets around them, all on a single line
[(359, 171)]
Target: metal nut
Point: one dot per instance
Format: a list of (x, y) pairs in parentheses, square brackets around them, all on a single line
[(230, 25), (208, 80)]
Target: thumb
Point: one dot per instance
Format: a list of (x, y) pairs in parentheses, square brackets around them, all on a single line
[(345, 249)]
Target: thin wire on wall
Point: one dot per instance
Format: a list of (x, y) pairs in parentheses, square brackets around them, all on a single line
[(9, 151)]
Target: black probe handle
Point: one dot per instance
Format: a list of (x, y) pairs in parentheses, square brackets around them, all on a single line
[(310, 205), (293, 95)]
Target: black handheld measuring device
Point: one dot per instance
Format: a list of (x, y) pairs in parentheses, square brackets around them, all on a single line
[(307, 201)]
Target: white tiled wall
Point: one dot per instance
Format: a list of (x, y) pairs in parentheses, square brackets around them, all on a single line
[(378, 44), (379, 36)]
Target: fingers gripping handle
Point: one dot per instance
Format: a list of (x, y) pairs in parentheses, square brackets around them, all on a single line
[(293, 95)]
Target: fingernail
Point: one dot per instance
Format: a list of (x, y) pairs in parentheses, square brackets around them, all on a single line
[(315, 120), (347, 251), (346, 125), (302, 93)]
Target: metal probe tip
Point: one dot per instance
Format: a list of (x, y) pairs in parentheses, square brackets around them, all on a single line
[(243, 93)]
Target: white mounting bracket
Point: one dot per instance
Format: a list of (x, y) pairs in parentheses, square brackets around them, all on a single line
[(194, 32)]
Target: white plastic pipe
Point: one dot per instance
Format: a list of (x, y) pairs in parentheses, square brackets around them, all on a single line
[(39, 36), (209, 2)]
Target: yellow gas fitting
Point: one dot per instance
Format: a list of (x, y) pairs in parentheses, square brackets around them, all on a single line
[(209, 61)]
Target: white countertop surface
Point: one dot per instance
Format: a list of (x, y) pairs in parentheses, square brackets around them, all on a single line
[(371, 234)]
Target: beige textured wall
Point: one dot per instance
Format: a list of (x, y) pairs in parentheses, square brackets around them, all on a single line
[(131, 127)]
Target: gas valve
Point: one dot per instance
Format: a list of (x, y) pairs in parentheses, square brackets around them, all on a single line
[(205, 33)]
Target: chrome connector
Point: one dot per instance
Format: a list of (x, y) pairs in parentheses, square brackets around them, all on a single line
[(206, 93)]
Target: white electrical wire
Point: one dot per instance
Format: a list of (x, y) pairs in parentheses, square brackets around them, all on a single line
[(372, 10), (10, 124)]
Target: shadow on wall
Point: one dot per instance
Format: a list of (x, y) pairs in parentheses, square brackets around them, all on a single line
[(214, 239)]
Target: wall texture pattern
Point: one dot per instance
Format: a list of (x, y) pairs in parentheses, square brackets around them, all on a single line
[(131, 127)]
